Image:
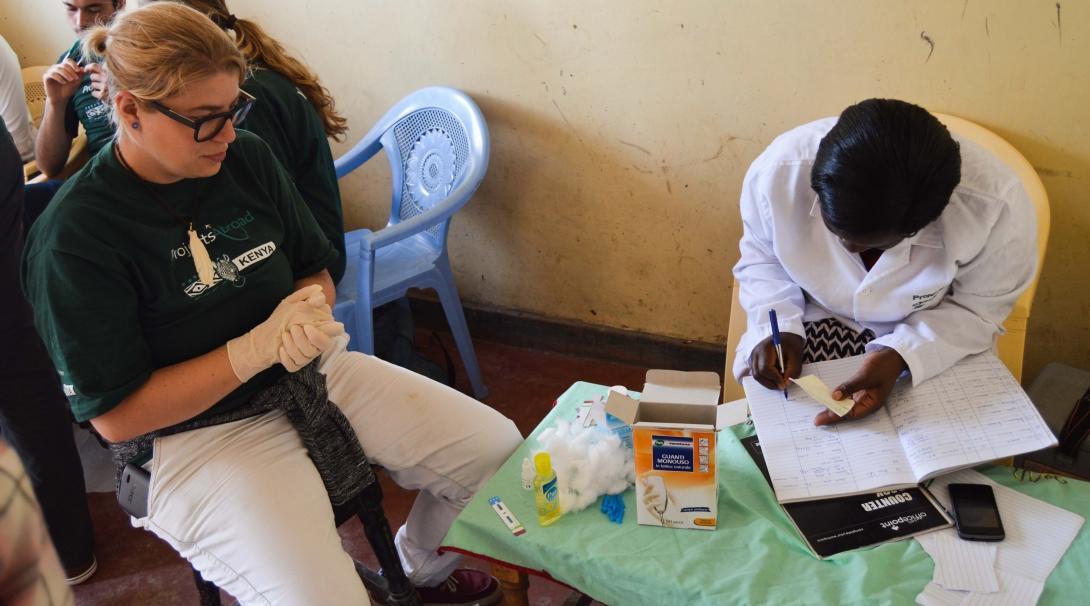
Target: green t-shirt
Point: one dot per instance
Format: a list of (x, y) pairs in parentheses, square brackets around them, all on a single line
[(84, 107), (288, 122), (115, 293)]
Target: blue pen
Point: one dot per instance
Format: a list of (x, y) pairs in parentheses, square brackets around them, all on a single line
[(776, 341)]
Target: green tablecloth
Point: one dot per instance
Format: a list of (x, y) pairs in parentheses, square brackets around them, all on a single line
[(754, 557)]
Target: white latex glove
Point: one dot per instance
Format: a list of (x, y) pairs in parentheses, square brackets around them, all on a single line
[(259, 349), (304, 342), (656, 498)]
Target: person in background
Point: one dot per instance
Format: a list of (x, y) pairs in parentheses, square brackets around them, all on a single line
[(877, 232), (180, 284), (13, 108), (74, 89), (34, 414), (295, 116)]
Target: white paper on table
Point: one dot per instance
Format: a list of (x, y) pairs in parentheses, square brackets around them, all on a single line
[(818, 390), (732, 413), (933, 595), (1037, 533), (959, 564), (1014, 590)]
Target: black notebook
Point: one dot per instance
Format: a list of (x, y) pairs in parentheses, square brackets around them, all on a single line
[(832, 526)]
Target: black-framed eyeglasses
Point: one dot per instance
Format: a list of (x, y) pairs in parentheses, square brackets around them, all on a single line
[(209, 126)]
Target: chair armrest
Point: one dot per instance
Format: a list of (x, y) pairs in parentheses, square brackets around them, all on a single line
[(362, 151)]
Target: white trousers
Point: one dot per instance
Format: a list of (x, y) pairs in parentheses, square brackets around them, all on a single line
[(246, 506)]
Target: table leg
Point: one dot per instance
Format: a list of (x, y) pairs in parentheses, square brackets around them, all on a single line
[(514, 585)]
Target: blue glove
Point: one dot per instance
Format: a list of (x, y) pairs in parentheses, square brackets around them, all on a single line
[(613, 507)]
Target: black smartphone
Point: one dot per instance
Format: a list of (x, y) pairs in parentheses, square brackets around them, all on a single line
[(132, 494), (975, 512)]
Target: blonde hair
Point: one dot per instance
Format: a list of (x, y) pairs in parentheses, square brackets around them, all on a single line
[(261, 49), (156, 51)]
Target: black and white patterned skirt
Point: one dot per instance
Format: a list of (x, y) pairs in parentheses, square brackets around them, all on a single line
[(828, 339)]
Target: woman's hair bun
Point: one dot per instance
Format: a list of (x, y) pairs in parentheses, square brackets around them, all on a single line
[(94, 41)]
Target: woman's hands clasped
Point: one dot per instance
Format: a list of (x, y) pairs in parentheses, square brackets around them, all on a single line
[(300, 329)]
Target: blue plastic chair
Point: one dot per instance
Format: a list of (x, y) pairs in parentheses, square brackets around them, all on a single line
[(437, 142)]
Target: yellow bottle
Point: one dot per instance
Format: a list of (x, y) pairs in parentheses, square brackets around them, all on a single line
[(546, 493)]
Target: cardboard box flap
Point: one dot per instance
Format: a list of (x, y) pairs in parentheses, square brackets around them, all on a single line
[(657, 413), (622, 407), (731, 413), (679, 387)]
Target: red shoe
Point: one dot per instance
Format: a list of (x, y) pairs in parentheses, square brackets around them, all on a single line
[(464, 587)]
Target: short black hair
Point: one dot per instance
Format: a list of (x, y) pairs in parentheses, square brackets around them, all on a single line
[(886, 166)]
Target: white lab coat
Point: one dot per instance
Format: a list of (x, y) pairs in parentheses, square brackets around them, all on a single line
[(936, 297)]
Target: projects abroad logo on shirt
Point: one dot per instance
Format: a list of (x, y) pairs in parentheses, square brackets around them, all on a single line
[(230, 270), (226, 268)]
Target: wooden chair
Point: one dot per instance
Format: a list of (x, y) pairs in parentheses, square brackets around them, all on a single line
[(34, 91), (1010, 347)]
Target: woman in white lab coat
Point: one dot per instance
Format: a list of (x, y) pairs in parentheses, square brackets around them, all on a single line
[(877, 232)]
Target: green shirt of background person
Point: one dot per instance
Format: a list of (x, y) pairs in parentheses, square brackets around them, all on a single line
[(74, 88), (105, 250), (287, 121), (84, 107), (294, 114)]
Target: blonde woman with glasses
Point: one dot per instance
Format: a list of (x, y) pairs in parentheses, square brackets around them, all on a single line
[(181, 287), (296, 117)]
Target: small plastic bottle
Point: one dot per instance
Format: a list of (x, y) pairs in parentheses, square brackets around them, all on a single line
[(527, 474), (546, 493)]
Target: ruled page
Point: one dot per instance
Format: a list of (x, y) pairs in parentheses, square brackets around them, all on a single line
[(1037, 533), (972, 413), (807, 462), (959, 564)]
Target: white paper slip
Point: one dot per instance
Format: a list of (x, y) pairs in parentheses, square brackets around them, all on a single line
[(959, 564), (732, 413), (818, 390), (1037, 533), (1014, 590), (933, 595)]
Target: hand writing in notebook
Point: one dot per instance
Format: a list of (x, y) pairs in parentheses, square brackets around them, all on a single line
[(764, 366), (869, 388)]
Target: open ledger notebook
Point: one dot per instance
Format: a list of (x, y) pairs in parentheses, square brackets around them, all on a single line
[(973, 413)]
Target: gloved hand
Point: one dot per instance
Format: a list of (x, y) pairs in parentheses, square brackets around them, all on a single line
[(258, 349), (304, 342)]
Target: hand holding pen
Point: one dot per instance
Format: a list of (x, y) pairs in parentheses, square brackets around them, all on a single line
[(778, 345), (773, 365), (62, 80)]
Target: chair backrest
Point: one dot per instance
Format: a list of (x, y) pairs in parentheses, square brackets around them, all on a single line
[(732, 390), (34, 91), (436, 140), (1010, 347)]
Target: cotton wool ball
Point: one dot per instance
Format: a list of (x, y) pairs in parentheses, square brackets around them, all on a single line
[(588, 463)]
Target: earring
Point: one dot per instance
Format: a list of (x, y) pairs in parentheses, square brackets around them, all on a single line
[(136, 125)]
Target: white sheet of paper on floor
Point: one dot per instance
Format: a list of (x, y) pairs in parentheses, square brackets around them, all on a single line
[(1037, 536)]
